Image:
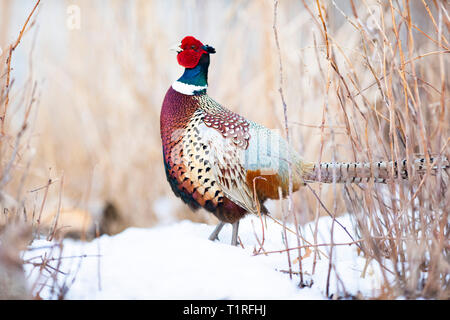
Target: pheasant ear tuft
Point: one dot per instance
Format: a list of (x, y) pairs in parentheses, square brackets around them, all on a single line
[(209, 49)]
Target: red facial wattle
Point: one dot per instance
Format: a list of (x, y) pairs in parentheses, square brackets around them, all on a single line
[(189, 59), (192, 52)]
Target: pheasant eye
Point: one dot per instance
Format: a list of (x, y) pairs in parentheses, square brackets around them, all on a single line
[(193, 47)]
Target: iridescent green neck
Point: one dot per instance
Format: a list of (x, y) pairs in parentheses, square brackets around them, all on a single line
[(194, 81), (197, 76)]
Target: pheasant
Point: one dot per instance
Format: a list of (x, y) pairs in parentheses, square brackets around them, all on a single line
[(228, 165)]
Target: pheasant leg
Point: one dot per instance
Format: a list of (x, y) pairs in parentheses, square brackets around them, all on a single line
[(234, 238), (214, 235)]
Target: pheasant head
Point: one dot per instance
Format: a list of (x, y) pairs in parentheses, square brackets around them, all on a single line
[(190, 50), (193, 55)]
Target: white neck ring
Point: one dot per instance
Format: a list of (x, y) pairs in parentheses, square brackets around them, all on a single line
[(187, 89)]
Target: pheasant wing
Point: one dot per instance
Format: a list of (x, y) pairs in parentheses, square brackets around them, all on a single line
[(230, 173)]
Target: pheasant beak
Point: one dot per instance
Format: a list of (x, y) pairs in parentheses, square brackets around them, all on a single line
[(176, 48)]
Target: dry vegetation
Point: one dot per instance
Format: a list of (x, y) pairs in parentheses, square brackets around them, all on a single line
[(362, 81)]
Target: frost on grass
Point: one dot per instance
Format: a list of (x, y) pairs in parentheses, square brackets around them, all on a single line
[(177, 261)]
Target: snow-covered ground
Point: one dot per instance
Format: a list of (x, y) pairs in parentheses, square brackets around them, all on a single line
[(177, 261)]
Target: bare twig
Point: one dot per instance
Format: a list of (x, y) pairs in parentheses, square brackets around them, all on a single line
[(8, 72)]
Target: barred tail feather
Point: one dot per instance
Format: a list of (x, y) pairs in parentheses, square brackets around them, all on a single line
[(379, 172)]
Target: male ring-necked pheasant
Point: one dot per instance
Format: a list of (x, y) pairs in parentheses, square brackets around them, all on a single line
[(215, 158)]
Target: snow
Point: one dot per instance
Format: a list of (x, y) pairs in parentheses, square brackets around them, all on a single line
[(165, 209), (177, 261)]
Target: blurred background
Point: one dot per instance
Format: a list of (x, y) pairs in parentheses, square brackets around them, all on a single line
[(96, 73)]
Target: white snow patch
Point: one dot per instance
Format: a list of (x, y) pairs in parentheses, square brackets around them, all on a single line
[(177, 261), (164, 209)]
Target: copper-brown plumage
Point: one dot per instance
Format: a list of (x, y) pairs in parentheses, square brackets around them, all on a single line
[(186, 156)]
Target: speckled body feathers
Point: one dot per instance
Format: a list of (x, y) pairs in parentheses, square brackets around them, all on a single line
[(187, 154)]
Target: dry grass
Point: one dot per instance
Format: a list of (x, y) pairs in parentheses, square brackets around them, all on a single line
[(21, 221), (389, 95), (362, 81)]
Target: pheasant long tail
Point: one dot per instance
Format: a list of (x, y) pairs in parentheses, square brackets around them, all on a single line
[(380, 172)]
